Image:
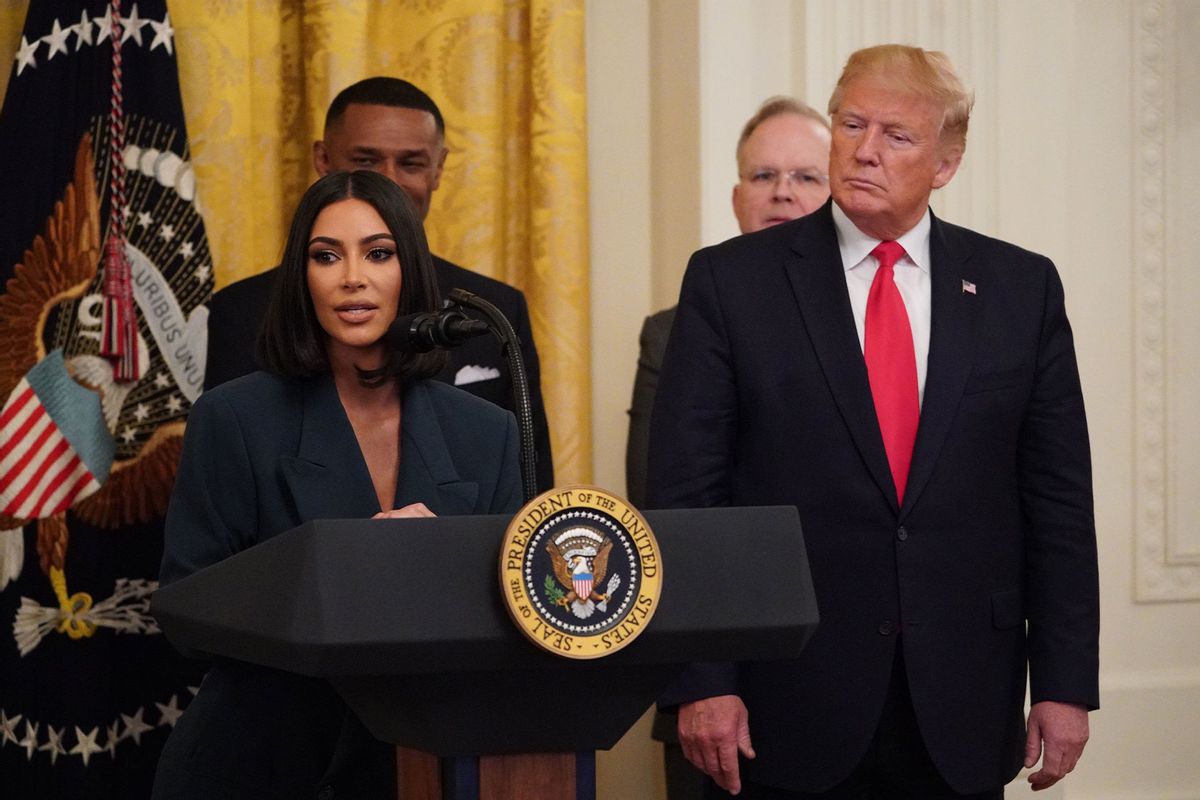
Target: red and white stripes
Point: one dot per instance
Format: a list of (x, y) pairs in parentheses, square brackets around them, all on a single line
[(40, 473)]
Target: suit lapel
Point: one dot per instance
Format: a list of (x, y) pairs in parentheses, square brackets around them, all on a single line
[(819, 283), (427, 471), (328, 477), (952, 338)]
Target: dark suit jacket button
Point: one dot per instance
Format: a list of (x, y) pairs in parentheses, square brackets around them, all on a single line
[(886, 627), (902, 533), (326, 793)]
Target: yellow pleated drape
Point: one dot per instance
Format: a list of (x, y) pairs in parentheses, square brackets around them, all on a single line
[(256, 78)]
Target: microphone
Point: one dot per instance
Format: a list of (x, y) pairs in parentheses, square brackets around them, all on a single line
[(423, 331)]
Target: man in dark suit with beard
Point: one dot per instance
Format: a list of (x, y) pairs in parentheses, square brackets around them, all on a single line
[(911, 387), (390, 126)]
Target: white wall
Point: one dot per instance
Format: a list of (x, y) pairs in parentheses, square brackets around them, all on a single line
[(744, 59), (1082, 147), (619, 121)]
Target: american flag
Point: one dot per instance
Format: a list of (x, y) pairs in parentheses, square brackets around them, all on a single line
[(49, 457), (968, 287), (97, 694)]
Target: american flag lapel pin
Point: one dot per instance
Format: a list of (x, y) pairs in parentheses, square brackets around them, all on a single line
[(968, 287)]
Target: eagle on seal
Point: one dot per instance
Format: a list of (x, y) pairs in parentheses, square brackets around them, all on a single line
[(580, 561)]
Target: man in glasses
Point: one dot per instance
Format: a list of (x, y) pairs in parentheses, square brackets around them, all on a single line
[(783, 165), (783, 161)]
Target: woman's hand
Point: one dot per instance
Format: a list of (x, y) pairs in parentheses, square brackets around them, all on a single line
[(411, 510)]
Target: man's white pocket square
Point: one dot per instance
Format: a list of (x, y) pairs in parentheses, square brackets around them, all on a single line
[(473, 373)]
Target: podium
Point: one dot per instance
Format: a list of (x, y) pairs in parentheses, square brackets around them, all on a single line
[(405, 619)]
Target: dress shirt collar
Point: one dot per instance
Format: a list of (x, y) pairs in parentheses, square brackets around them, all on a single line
[(855, 245)]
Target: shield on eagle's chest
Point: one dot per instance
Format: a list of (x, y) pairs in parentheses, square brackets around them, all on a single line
[(581, 582)]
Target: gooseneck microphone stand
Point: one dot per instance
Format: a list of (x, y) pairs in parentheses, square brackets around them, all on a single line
[(499, 325), (450, 327)]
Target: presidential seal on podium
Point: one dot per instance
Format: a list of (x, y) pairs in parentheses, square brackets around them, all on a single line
[(580, 572)]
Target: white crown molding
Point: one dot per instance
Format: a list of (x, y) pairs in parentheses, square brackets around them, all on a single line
[(1159, 576)]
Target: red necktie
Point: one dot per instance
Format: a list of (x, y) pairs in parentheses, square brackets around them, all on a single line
[(892, 365)]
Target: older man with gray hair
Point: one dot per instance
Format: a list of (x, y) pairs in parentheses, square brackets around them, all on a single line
[(911, 387)]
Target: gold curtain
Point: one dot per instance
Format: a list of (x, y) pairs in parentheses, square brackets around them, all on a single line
[(257, 76)]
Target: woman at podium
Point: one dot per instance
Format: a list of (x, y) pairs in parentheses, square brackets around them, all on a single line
[(340, 425)]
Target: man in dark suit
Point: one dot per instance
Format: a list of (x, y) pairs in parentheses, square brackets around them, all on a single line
[(390, 126), (911, 387)]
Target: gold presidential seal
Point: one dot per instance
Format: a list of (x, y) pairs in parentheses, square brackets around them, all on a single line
[(580, 572)]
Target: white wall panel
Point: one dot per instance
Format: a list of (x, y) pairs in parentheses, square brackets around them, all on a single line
[(1167, 294), (744, 59)]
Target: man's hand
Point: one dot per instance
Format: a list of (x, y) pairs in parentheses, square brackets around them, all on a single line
[(1057, 732), (409, 511), (711, 733)]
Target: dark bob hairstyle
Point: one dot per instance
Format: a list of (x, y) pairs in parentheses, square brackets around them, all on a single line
[(292, 342)]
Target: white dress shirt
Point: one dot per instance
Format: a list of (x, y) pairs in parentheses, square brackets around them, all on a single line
[(912, 279)]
